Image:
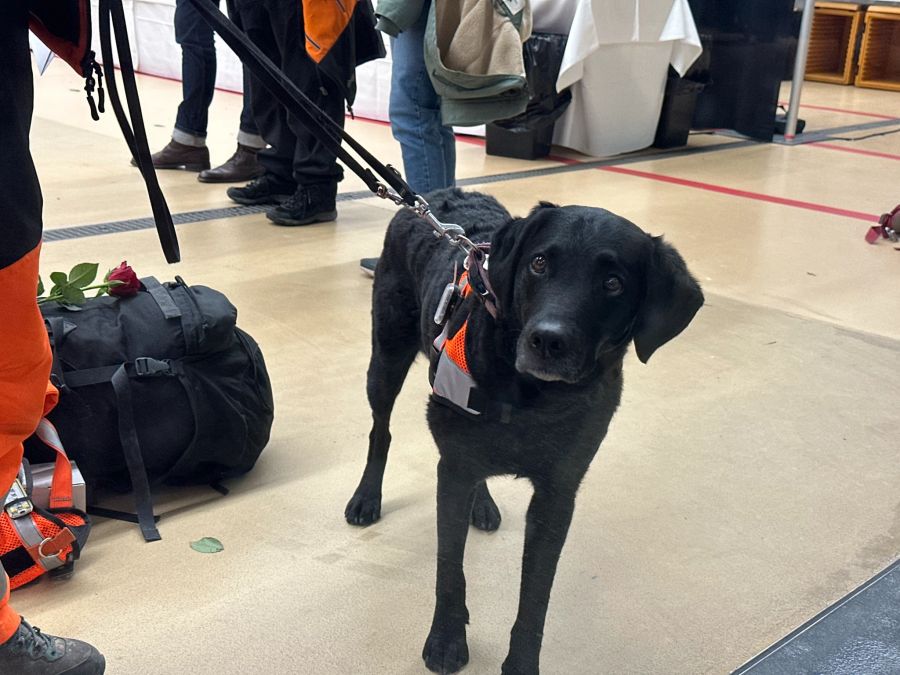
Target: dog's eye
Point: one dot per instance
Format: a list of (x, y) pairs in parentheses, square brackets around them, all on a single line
[(539, 264), (613, 285)]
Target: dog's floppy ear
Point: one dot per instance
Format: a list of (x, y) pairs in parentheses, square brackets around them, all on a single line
[(672, 299), (506, 247)]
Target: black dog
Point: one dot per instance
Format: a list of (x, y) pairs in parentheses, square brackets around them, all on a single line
[(574, 286)]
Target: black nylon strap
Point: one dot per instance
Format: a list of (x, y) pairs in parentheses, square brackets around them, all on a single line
[(142, 367), (111, 12), (163, 298), (300, 105), (56, 332), (131, 448)]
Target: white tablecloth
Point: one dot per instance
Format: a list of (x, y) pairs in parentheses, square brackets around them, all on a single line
[(615, 62)]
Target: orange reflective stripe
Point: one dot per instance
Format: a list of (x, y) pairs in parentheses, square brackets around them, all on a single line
[(323, 22)]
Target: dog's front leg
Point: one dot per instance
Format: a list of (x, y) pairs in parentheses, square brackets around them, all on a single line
[(445, 649), (547, 525)]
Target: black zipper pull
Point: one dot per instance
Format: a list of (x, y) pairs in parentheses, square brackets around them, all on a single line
[(89, 89), (101, 95)]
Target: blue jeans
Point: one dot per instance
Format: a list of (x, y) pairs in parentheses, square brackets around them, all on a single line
[(198, 77), (428, 147)]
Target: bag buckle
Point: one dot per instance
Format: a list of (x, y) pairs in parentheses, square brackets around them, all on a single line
[(144, 366)]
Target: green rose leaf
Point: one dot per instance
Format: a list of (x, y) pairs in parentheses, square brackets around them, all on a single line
[(40, 289), (73, 295), (207, 545), (59, 279), (83, 274)]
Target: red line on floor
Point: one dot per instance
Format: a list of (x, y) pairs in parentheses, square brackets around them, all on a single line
[(856, 151), (844, 110), (757, 196)]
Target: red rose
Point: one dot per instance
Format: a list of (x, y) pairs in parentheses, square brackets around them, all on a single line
[(130, 283)]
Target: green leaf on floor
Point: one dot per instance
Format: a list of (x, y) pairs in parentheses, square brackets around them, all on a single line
[(207, 545)]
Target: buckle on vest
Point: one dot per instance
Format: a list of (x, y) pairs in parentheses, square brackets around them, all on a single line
[(147, 367), (17, 502)]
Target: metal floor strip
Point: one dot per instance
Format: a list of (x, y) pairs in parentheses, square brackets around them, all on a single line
[(135, 224), (860, 633)]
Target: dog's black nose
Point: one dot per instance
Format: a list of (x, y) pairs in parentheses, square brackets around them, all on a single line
[(548, 341)]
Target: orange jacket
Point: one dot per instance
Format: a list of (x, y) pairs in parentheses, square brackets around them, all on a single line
[(341, 35)]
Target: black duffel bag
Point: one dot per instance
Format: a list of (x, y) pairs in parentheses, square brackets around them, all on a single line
[(158, 387)]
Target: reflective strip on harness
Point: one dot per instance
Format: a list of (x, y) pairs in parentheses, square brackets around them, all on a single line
[(452, 381), (453, 384)]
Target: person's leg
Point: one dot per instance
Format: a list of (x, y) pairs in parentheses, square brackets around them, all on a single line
[(187, 149), (277, 182), (198, 74), (428, 147), (24, 350), (244, 164), (314, 163)]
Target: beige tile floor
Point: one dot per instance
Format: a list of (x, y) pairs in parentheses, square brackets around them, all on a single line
[(749, 480)]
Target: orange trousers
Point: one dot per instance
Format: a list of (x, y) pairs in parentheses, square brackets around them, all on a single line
[(25, 394)]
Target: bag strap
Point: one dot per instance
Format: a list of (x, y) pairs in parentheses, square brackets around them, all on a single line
[(131, 447), (111, 12), (56, 333), (61, 486)]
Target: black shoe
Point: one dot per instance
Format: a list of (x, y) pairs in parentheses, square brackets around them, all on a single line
[(30, 652), (179, 156), (241, 166), (267, 189), (367, 265), (310, 204)]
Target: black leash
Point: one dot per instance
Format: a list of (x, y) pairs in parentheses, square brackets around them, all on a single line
[(132, 123)]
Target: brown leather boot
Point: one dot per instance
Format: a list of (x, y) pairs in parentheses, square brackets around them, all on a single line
[(179, 156), (241, 167)]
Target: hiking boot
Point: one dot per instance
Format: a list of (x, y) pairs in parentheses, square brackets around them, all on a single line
[(241, 167), (368, 265), (310, 204), (30, 652), (179, 156), (267, 189)]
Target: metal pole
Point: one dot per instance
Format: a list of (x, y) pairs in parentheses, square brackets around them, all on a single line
[(790, 129)]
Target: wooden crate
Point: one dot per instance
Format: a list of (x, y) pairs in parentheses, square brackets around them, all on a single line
[(832, 44), (879, 56)]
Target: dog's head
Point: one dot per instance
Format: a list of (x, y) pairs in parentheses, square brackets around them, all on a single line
[(577, 283)]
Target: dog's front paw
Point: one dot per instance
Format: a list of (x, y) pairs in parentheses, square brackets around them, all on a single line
[(485, 514), (363, 508), (445, 654)]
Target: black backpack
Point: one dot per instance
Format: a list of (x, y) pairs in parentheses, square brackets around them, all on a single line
[(158, 387)]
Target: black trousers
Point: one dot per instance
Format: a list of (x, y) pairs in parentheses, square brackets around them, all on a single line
[(297, 154), (20, 192)]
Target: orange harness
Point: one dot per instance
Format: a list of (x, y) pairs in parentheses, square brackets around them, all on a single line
[(452, 383)]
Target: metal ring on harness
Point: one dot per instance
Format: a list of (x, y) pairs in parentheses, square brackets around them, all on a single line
[(40, 548)]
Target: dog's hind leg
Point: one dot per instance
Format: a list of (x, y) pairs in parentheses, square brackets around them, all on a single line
[(394, 346), (485, 514)]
